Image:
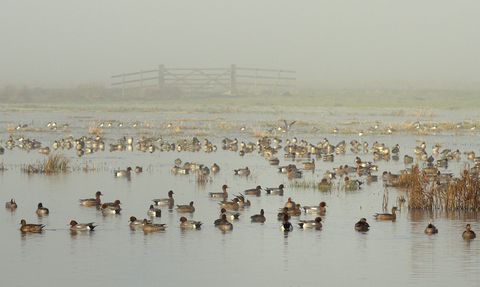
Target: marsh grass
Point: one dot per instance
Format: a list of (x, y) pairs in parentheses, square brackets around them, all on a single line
[(55, 163), (95, 131), (303, 184), (427, 192)]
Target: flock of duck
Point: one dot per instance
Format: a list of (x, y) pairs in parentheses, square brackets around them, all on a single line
[(266, 147), (228, 211)]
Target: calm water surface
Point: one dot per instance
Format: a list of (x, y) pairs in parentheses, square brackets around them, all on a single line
[(390, 253)]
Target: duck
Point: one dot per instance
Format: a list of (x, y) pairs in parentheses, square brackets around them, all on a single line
[(468, 234), (324, 184), (42, 210), (75, 226), (387, 216), (242, 201), (11, 204), (320, 208), (138, 169), (275, 190), (307, 224), (274, 161), (186, 208), (215, 168), (231, 204), (189, 224), (148, 226), (254, 191), (123, 173), (110, 209), (223, 194), (137, 223), (242, 171), (165, 201), (258, 217), (362, 225), (154, 212), (295, 211), (92, 201), (290, 203), (282, 213), (116, 204), (286, 225), (230, 215), (30, 227), (431, 229), (309, 165), (224, 224)]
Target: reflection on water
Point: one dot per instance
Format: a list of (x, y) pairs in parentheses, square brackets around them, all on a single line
[(250, 254)]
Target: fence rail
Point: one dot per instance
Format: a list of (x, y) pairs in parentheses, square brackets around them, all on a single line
[(207, 79)]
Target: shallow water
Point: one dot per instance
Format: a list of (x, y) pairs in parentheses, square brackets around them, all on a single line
[(252, 253)]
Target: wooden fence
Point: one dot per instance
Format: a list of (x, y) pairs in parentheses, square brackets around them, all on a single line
[(231, 79)]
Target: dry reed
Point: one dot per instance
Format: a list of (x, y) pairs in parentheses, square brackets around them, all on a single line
[(427, 191)]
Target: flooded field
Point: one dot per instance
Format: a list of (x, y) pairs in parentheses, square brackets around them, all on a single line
[(391, 252)]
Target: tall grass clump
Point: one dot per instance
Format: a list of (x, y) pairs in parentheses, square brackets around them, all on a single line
[(427, 191), (55, 163)]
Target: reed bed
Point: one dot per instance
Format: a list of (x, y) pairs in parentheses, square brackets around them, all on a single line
[(95, 131), (425, 191), (55, 163)]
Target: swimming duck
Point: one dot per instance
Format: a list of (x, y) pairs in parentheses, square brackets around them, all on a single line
[(224, 224), (110, 209), (325, 184), (231, 204), (254, 191), (30, 227), (42, 210), (242, 201), (468, 234), (123, 173), (215, 168), (431, 229), (137, 223), (223, 194), (189, 224), (186, 208), (165, 201), (290, 203), (306, 224), (152, 226), (286, 225), (138, 169), (274, 161), (230, 215), (75, 226), (282, 213), (258, 217), (242, 171), (116, 204), (387, 216), (320, 208), (11, 204), (92, 201), (275, 190), (309, 165), (295, 211), (362, 225), (154, 212)]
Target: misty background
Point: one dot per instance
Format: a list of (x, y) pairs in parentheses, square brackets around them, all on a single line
[(406, 44)]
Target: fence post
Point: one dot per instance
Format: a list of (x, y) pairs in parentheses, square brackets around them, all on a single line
[(276, 81), (161, 75), (233, 79)]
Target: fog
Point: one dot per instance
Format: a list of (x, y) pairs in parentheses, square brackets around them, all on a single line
[(329, 43)]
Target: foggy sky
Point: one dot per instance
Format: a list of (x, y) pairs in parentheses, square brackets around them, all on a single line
[(329, 43)]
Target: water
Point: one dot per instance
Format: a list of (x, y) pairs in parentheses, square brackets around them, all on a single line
[(252, 253)]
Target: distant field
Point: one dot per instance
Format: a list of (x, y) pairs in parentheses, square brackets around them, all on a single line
[(154, 100)]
